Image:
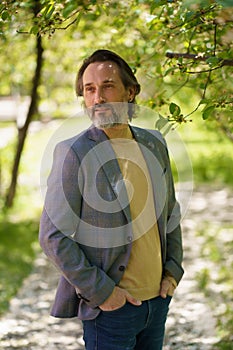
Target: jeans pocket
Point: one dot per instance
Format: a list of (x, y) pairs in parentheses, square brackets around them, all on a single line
[(116, 311)]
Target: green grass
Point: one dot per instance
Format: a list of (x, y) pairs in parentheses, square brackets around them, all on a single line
[(17, 250), (211, 155), (18, 226)]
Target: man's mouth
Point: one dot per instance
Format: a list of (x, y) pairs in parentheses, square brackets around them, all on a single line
[(102, 108)]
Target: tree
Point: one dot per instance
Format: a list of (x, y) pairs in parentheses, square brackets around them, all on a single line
[(22, 131), (200, 31), (174, 46), (34, 11), (205, 62)]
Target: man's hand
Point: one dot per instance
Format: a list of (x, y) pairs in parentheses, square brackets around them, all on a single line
[(167, 288), (117, 299)]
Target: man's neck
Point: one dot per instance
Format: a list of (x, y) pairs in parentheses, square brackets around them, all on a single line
[(118, 131)]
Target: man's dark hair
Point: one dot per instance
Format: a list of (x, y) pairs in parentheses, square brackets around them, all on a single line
[(127, 76)]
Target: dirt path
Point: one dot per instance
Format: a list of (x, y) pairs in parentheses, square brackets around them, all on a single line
[(190, 325)]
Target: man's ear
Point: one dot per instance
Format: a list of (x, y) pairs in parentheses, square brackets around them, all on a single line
[(131, 93)]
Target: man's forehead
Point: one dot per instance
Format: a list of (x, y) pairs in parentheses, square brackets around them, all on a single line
[(106, 70), (103, 66)]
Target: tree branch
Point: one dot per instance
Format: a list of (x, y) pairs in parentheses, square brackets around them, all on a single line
[(198, 14), (226, 62), (68, 25)]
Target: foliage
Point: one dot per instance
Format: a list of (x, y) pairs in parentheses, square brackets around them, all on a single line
[(171, 44), (210, 166), (51, 16), (201, 37)]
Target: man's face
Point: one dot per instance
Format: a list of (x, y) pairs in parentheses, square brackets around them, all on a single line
[(105, 95)]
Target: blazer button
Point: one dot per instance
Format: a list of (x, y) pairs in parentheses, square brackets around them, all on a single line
[(121, 268), (129, 238)]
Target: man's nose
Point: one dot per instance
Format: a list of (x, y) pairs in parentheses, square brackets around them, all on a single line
[(99, 96)]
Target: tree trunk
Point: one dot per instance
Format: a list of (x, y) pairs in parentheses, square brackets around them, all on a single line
[(22, 132)]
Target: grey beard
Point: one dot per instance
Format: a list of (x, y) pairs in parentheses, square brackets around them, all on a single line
[(103, 120)]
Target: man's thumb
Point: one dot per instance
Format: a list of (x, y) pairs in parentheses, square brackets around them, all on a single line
[(132, 300)]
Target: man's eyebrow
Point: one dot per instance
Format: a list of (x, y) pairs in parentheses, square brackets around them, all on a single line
[(110, 80), (88, 84)]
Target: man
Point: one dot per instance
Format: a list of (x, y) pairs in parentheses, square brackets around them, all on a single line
[(111, 223)]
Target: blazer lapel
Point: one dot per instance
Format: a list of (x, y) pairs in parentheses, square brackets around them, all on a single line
[(104, 153)]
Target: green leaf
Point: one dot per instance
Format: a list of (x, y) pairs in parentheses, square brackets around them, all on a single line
[(69, 9), (204, 101), (212, 61), (225, 3), (48, 11), (161, 122), (155, 4), (169, 70), (202, 85), (34, 30), (207, 112), (174, 109), (78, 18), (5, 15)]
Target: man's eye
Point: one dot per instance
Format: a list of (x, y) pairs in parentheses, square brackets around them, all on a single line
[(90, 89), (108, 86)]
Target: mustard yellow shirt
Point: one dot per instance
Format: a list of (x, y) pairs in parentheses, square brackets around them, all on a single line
[(143, 274)]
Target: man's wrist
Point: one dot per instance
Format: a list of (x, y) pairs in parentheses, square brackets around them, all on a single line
[(170, 278)]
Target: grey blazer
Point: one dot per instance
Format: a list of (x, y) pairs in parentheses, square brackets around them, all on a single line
[(85, 226)]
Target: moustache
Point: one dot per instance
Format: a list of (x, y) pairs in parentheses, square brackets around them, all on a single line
[(102, 105)]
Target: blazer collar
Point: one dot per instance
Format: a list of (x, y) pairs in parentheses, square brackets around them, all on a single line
[(143, 136), (98, 135)]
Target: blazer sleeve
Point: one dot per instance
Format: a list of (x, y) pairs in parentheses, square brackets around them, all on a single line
[(174, 247), (60, 219)]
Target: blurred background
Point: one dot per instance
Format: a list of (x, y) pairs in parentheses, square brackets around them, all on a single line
[(182, 55)]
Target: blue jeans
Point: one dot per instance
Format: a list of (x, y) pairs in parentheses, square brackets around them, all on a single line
[(128, 328)]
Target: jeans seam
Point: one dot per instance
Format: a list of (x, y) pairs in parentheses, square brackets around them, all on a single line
[(149, 314), (96, 335)]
